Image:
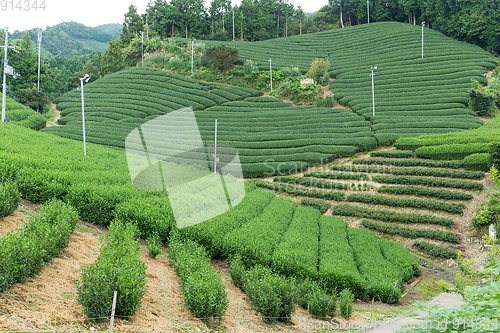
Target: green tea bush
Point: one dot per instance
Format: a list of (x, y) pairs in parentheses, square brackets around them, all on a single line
[(451, 151), (405, 163), (481, 99), (425, 191), (346, 298), (411, 232), (40, 185), (118, 268), (450, 207), (389, 215), (97, 203), (397, 254), (9, 198), (393, 153), (272, 295), (337, 175), (478, 161), (203, 290), (154, 244), (44, 236), (494, 157), (428, 181), (320, 205), (436, 250), (294, 190), (483, 217), (151, 215)]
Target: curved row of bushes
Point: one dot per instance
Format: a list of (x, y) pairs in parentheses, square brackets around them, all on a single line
[(337, 175), (411, 162), (44, 236), (407, 232), (436, 250), (294, 190), (393, 153), (9, 198), (428, 181), (320, 205), (376, 199), (425, 191)]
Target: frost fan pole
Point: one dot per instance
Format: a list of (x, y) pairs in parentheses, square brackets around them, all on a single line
[(423, 23), (271, 71), (373, 91), (216, 159), (86, 78), (39, 50), (368, 9), (4, 74)]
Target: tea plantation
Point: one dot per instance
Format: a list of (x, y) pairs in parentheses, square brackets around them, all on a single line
[(413, 95), (267, 132)]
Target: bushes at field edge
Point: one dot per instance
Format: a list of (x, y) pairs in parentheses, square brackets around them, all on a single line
[(9, 198)]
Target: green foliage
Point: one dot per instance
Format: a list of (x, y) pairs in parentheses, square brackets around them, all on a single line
[(9, 198), (495, 175), (337, 175), (494, 150), (271, 294), (294, 190), (425, 191), (203, 290), (44, 236), (481, 99), (26, 118), (408, 232), (320, 205), (383, 279), (404, 163), (376, 199), (38, 185), (337, 266), (451, 151), (392, 153), (319, 69), (346, 299), (389, 215), (325, 102), (428, 181), (152, 215), (97, 203), (297, 253), (223, 57), (311, 297), (483, 217), (118, 268), (397, 254), (311, 182), (436, 250), (154, 245), (478, 161)]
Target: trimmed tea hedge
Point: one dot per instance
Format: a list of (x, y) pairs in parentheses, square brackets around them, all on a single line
[(479, 161), (119, 268), (428, 181), (436, 250), (407, 232), (254, 245), (393, 153), (44, 236), (312, 182), (401, 257), (388, 215), (337, 175), (320, 205), (455, 208), (383, 279), (407, 163), (297, 253), (294, 190), (9, 198), (203, 290), (425, 191), (451, 151), (337, 266)]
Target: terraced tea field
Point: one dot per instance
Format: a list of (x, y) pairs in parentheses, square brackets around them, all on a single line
[(413, 95), (268, 133), (394, 193)]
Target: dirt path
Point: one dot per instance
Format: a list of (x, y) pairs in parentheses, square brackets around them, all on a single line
[(57, 115)]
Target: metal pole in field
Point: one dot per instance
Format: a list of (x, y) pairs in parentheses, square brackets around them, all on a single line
[(423, 23), (86, 78), (4, 74), (39, 50), (215, 148), (113, 307), (373, 91), (192, 55), (368, 9), (271, 71), (233, 24), (142, 49)]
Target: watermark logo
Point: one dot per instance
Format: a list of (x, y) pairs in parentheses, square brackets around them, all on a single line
[(168, 154)]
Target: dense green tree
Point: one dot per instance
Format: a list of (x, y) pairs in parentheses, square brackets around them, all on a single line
[(132, 25), (112, 59)]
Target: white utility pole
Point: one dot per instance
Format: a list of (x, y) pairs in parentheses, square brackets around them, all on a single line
[(142, 49), (271, 71), (6, 70), (39, 50), (368, 9), (216, 159), (86, 78), (192, 56), (423, 23), (233, 24), (373, 91)]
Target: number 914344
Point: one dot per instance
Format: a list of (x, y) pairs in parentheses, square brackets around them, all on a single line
[(22, 5)]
